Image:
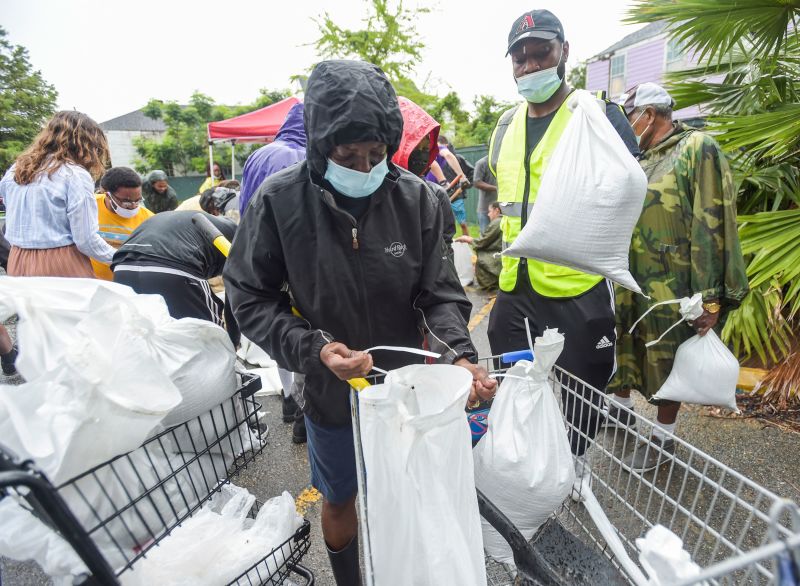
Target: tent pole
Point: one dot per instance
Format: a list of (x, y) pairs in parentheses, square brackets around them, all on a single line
[(211, 159), (233, 159)]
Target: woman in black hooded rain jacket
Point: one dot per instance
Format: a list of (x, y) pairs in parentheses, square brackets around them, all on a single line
[(358, 242)]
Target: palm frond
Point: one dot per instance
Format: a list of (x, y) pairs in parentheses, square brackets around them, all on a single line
[(775, 133), (773, 238), (765, 188), (713, 28), (758, 327)]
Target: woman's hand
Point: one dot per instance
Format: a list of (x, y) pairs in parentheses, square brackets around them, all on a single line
[(467, 239), (483, 387), (344, 362)]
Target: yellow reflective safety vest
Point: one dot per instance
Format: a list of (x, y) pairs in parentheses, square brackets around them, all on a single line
[(514, 177)]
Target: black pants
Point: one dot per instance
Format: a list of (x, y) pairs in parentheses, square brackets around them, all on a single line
[(588, 325), (185, 296)]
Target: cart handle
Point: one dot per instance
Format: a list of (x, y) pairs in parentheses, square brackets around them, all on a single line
[(512, 357)]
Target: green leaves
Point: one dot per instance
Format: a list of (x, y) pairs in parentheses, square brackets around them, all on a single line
[(184, 147), (714, 28), (773, 238), (27, 101), (388, 39), (758, 327)]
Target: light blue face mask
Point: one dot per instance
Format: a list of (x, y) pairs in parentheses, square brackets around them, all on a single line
[(355, 183), (539, 86)]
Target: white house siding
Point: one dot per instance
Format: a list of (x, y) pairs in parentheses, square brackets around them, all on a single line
[(120, 143)]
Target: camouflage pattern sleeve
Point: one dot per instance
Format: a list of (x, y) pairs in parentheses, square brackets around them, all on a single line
[(717, 265)]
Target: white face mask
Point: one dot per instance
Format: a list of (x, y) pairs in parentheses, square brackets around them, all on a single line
[(639, 136), (121, 211)]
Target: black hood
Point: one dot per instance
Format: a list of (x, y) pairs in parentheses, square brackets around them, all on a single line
[(349, 101)]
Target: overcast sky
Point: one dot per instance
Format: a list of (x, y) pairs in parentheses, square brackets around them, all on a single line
[(109, 57)]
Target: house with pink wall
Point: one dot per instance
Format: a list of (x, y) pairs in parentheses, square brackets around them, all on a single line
[(644, 55)]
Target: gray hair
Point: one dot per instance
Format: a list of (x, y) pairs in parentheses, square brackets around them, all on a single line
[(661, 110)]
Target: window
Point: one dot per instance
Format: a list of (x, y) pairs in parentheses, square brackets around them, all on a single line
[(617, 78), (676, 55)]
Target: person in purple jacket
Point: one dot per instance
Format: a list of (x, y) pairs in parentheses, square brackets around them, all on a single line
[(288, 148)]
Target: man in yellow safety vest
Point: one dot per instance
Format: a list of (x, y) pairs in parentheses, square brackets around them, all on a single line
[(580, 305)]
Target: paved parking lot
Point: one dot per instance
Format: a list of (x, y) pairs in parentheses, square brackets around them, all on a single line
[(762, 453)]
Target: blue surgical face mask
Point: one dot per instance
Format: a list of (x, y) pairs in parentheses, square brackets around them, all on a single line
[(354, 183), (539, 86)]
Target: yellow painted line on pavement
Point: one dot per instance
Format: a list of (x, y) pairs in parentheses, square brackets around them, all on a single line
[(482, 313), (306, 499)]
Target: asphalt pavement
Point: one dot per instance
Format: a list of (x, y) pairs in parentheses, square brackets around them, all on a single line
[(763, 453)]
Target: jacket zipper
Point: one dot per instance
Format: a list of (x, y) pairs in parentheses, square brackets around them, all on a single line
[(362, 281)]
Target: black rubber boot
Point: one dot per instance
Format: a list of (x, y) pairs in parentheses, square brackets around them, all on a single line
[(289, 409), (7, 361), (345, 564), (299, 435)]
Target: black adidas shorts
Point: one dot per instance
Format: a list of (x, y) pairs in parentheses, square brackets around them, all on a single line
[(588, 325)]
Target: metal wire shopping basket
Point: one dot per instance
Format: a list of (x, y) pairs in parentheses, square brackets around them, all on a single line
[(113, 514), (735, 530)]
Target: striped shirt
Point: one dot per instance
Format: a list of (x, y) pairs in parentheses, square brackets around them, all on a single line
[(54, 211)]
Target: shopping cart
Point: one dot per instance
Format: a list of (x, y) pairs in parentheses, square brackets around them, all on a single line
[(115, 513), (735, 530)]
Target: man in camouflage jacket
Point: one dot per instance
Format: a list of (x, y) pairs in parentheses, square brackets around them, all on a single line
[(685, 243)]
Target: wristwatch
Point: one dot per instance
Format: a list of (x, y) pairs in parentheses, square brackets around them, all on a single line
[(712, 307)]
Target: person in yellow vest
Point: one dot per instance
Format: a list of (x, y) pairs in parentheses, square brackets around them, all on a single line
[(581, 306), (119, 211)]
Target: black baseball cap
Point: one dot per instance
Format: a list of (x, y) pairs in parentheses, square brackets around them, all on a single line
[(535, 24)]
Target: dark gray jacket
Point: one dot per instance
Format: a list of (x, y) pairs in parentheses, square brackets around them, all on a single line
[(381, 280)]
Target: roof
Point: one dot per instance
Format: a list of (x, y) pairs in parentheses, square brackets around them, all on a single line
[(135, 120), (647, 32)]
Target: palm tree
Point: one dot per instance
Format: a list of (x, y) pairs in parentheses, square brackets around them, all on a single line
[(747, 79)]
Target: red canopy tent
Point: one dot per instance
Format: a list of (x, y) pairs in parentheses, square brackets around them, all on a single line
[(259, 126)]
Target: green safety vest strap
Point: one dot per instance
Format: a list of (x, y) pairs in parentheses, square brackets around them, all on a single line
[(506, 159), (497, 138)]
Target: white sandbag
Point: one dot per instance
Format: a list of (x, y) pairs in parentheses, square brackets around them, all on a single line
[(589, 200), (136, 330), (663, 557), (85, 411), (462, 258), (704, 372), (424, 525), (220, 542), (523, 463), (50, 308)]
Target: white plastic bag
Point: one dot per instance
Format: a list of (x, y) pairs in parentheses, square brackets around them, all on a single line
[(25, 537), (50, 308), (84, 412), (219, 542), (462, 258), (662, 556), (523, 463), (135, 330), (424, 525), (265, 367), (589, 200), (704, 372)]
